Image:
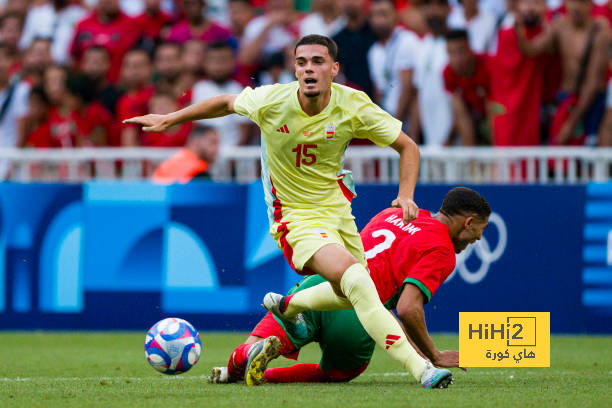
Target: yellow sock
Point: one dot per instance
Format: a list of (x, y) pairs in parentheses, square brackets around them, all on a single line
[(358, 287), (319, 297)]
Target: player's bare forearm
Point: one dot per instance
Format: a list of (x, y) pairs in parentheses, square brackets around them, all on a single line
[(220, 105), (414, 346), (409, 173), (410, 312), (217, 106)]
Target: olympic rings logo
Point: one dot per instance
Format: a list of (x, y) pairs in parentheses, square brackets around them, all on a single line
[(482, 249)]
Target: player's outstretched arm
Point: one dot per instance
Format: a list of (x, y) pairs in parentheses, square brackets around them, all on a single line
[(403, 326), (410, 311), (409, 173), (220, 105)]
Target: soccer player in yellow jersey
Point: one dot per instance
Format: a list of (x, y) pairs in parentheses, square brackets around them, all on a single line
[(306, 127)]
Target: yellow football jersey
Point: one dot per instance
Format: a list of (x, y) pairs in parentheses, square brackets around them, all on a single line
[(302, 155)]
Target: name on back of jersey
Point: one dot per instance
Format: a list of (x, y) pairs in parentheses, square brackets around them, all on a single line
[(397, 221)]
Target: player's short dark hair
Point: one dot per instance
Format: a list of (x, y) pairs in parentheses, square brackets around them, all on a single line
[(456, 34), (316, 39), (465, 201)]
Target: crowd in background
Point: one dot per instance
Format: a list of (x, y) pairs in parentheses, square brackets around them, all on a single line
[(467, 72)]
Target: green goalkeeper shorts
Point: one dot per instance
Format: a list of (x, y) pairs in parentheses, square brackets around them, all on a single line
[(344, 342)]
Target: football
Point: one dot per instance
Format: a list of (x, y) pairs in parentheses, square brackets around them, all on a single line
[(172, 346)]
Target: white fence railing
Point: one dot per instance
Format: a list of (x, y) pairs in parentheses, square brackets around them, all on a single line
[(545, 165)]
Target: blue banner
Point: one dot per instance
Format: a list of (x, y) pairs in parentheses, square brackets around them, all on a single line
[(124, 255)]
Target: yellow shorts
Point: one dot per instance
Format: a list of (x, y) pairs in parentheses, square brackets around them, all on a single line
[(300, 234)]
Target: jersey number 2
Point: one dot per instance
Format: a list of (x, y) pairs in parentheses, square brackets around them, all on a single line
[(386, 244), (309, 158)]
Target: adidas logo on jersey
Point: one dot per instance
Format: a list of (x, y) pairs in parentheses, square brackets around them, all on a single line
[(283, 129)]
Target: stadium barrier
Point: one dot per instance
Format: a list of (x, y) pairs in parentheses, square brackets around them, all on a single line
[(122, 255), (475, 165)]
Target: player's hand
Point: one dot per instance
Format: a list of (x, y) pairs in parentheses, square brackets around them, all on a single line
[(448, 358), (150, 122), (409, 208)]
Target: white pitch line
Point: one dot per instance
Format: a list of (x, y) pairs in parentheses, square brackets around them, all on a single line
[(205, 377), (470, 372), (164, 378)]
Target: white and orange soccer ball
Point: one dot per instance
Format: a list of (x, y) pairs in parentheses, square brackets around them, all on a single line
[(172, 346)]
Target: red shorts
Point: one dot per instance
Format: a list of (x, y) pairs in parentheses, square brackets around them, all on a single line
[(268, 326)]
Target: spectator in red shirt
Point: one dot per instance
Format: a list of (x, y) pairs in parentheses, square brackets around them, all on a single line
[(195, 25), (95, 64), (517, 81), (109, 27), (136, 80), (192, 161), (583, 83), (466, 78), (155, 24), (74, 119), (37, 116), (161, 104), (169, 74)]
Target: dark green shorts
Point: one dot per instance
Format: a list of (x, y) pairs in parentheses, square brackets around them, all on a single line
[(344, 342)]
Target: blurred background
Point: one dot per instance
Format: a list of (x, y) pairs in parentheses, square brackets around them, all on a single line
[(104, 226)]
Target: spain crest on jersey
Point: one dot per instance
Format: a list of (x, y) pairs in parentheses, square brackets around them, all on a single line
[(330, 132)]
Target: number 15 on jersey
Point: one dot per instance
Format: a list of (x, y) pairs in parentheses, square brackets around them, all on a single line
[(302, 156)]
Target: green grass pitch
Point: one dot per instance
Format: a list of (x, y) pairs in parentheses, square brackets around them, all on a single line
[(42, 369)]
